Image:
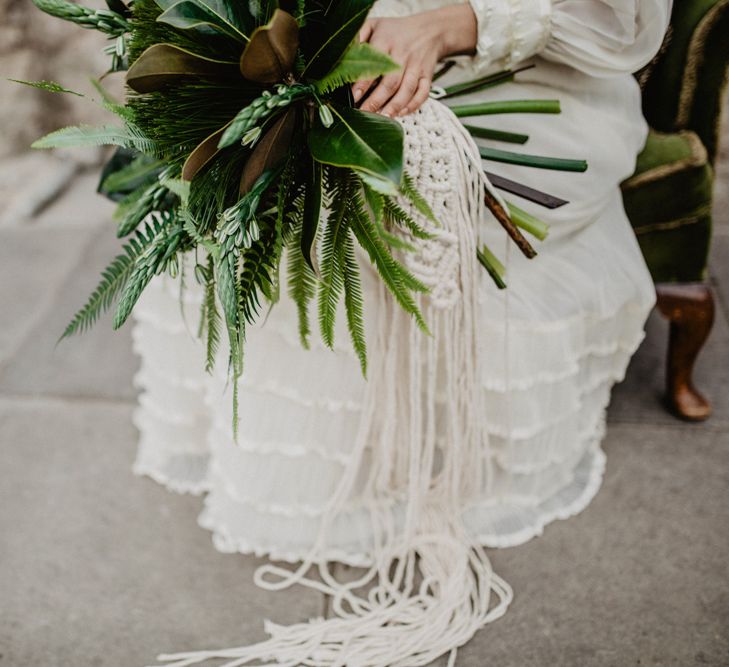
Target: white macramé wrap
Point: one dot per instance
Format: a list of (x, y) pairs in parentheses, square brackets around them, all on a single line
[(443, 588)]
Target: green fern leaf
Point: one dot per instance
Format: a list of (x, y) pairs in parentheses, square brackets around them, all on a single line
[(396, 216), (113, 279), (104, 135), (332, 260), (48, 86), (353, 302), (212, 319), (301, 283), (408, 189), (158, 246), (399, 281), (360, 61)]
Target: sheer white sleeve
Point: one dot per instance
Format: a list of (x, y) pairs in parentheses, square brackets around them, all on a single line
[(598, 37)]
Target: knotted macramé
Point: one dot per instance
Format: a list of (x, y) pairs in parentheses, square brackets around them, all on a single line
[(430, 586)]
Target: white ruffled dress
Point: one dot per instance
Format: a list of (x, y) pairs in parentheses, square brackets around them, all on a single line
[(550, 347)]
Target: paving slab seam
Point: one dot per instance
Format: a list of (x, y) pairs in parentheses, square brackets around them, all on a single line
[(717, 424), (56, 400)]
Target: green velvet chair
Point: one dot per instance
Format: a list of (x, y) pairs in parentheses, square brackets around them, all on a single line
[(669, 198)]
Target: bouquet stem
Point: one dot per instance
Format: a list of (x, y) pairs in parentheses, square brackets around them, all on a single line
[(507, 106), (507, 223), (496, 135), (538, 161)]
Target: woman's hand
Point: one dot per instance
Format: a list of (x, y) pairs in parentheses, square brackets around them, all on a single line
[(417, 43)]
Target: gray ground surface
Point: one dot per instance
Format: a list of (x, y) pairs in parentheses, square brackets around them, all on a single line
[(101, 568)]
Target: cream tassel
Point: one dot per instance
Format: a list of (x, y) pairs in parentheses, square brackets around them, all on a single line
[(431, 586)]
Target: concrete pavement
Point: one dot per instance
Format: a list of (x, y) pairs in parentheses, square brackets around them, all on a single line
[(101, 568)]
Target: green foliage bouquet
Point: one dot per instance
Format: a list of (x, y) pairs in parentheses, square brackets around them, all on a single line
[(239, 138)]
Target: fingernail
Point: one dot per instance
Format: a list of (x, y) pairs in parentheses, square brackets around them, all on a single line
[(404, 112), (357, 94)]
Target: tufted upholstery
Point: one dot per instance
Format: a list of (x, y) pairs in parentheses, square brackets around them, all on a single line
[(668, 199)]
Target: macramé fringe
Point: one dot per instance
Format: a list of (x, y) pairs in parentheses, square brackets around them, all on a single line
[(430, 587)]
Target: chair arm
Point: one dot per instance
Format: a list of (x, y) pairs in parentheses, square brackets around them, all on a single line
[(685, 88)]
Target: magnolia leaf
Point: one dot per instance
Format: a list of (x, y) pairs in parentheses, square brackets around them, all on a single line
[(361, 61), (341, 24), (119, 7), (312, 215), (203, 153), (269, 152), (208, 16), (161, 64), (370, 143), (271, 52)]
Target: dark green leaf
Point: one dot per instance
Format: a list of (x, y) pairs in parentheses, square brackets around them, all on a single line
[(312, 216), (340, 25), (367, 142), (207, 16)]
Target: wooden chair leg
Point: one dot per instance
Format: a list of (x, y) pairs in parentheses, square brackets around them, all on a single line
[(690, 310)]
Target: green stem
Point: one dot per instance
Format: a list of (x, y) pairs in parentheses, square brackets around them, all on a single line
[(494, 267), (538, 161), (528, 222), (496, 135), (507, 106), (482, 83)]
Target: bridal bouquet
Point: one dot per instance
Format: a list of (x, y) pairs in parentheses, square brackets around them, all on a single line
[(239, 138)]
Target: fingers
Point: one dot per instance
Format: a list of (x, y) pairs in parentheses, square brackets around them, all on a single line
[(402, 99), (383, 92), (420, 97), (365, 32), (360, 88)]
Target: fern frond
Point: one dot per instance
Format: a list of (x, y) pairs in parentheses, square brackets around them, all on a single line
[(332, 259), (104, 135), (398, 280), (113, 279), (301, 279), (140, 170), (360, 61), (158, 243), (213, 320), (353, 302), (411, 193), (48, 86), (395, 215)]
